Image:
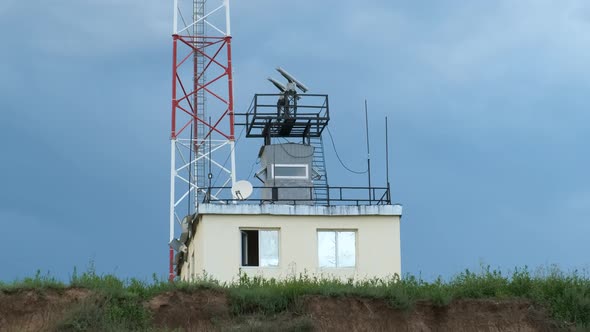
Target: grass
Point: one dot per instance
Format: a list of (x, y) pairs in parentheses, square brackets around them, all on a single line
[(119, 304), (566, 296), (116, 305), (39, 281)]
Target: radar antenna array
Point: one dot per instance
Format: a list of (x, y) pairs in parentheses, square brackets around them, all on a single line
[(292, 82)]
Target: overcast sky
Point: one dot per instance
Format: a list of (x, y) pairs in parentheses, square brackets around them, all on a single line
[(487, 102)]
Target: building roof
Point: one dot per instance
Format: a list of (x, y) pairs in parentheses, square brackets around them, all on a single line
[(301, 210)]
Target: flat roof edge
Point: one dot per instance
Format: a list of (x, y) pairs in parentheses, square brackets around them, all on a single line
[(301, 210)]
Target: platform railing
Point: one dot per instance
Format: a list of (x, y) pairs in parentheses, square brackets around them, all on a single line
[(335, 196), (308, 117)]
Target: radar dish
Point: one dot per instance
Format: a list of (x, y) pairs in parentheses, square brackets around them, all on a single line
[(242, 189)]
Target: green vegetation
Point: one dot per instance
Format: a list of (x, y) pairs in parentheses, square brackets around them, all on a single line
[(118, 305), (566, 296)]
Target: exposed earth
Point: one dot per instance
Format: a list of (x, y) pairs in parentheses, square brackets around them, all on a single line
[(209, 310)]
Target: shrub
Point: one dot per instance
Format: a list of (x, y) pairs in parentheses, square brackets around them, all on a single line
[(119, 303)]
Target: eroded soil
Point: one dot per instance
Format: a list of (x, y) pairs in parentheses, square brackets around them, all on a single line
[(37, 310), (209, 310)]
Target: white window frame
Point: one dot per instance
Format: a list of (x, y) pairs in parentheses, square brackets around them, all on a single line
[(336, 231), (272, 171), (278, 230)]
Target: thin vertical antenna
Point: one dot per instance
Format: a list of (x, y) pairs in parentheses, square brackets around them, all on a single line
[(227, 21), (386, 151), (368, 150), (210, 175), (175, 18)]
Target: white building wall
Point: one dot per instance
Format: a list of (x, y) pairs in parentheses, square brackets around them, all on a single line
[(217, 245)]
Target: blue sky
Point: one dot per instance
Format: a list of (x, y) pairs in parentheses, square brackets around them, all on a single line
[(487, 103)]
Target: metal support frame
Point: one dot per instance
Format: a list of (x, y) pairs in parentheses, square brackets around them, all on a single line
[(303, 118), (194, 137)]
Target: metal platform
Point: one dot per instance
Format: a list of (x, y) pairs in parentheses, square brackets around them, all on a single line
[(305, 115)]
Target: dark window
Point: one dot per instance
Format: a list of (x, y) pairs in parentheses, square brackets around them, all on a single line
[(260, 247), (250, 248)]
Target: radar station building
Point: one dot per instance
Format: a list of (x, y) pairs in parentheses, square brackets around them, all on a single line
[(292, 221)]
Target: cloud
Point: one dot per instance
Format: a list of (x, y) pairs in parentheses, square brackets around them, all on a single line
[(7, 5), (478, 40), (93, 28), (461, 42), (578, 202)]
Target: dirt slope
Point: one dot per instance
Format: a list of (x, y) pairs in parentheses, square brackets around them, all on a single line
[(208, 310), (37, 310), (351, 314)]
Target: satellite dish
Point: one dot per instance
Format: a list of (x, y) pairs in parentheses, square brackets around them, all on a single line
[(177, 245), (242, 189)]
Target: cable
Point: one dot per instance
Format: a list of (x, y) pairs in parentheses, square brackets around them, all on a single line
[(182, 18), (338, 156), (292, 156), (256, 162), (229, 155)]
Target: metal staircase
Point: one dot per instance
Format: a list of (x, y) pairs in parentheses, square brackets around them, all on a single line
[(319, 164)]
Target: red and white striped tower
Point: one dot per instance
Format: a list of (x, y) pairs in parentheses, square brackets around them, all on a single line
[(201, 143)]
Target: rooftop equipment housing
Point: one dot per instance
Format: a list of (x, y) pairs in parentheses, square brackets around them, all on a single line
[(287, 171), (293, 170)]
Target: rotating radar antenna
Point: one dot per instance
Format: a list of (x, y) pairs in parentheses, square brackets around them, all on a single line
[(287, 101)]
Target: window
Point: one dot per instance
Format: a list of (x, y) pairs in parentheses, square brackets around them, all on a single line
[(337, 248), (260, 247), (281, 171)]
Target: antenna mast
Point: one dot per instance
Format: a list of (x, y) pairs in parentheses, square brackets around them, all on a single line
[(368, 150), (386, 151), (199, 138)]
